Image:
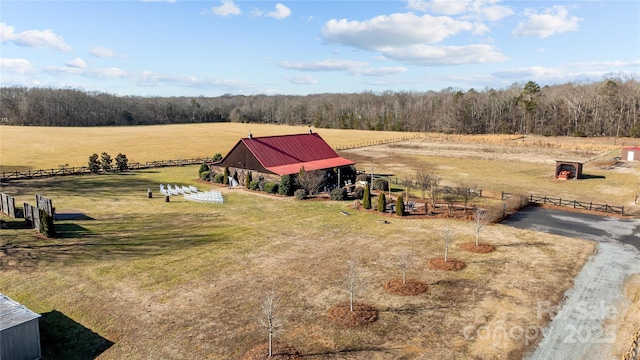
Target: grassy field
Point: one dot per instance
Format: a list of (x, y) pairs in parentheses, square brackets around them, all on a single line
[(54, 146), (141, 278), (182, 279)]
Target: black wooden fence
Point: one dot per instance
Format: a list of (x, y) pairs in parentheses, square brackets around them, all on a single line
[(606, 208), (66, 171)]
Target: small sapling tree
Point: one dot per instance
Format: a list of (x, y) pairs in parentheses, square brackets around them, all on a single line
[(434, 189), (366, 198), (94, 164), (450, 199), (217, 157), (270, 318), (448, 238), (352, 280), (310, 180), (480, 219), (105, 161), (404, 262)]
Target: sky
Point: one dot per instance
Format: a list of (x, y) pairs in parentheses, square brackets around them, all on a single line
[(213, 48)]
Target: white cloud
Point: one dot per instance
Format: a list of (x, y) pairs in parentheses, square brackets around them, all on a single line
[(380, 71), (532, 72), (323, 65), (100, 73), (552, 21), (393, 30), (104, 52), (16, 66), (444, 55), (33, 38), (614, 63), (77, 63), (281, 12), (227, 8), (477, 9), (301, 80)]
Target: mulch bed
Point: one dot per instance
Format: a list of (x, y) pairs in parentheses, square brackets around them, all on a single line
[(279, 351), (480, 249), (410, 287), (450, 265), (362, 314)]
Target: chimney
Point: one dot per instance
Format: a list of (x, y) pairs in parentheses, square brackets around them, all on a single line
[(250, 135), (310, 131)]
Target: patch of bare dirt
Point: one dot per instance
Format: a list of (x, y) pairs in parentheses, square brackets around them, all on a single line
[(410, 287), (278, 351), (480, 249), (450, 265), (361, 315)]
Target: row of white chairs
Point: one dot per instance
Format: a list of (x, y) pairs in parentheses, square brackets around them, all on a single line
[(211, 196), (177, 190)]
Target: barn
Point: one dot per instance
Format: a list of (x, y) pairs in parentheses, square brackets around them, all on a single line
[(275, 156), (19, 331), (631, 153), (567, 170)]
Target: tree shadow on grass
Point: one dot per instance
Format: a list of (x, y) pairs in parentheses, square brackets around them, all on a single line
[(63, 338), (71, 231)]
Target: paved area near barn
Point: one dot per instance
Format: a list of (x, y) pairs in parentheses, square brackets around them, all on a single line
[(587, 324)]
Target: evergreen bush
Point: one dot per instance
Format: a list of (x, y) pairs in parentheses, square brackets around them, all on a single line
[(400, 206), (287, 185), (382, 202), (300, 194), (204, 176), (94, 164), (247, 180), (366, 198), (359, 192), (381, 184), (271, 188), (254, 185), (338, 194), (218, 178), (46, 224), (225, 180), (203, 167)]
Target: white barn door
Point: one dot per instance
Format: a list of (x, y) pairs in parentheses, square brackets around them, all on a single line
[(630, 155)]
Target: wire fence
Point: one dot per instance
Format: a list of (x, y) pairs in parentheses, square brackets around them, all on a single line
[(67, 171)]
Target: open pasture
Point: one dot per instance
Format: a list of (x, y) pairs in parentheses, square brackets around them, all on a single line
[(183, 279), (149, 279)]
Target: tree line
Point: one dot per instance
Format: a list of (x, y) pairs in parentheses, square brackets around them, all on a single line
[(610, 107)]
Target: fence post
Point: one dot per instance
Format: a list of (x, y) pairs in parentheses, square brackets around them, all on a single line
[(545, 199), (560, 203), (622, 211), (590, 205), (574, 204)]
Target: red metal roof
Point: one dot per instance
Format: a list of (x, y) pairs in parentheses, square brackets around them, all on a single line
[(631, 148), (286, 154)]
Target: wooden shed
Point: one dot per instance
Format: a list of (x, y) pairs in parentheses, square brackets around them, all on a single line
[(631, 153), (567, 170), (19, 331)]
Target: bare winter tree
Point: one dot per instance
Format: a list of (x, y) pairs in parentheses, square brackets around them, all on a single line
[(404, 262), (434, 189), (407, 182), (270, 318), (310, 180), (353, 280), (423, 180), (450, 199), (448, 238), (466, 192), (480, 219)]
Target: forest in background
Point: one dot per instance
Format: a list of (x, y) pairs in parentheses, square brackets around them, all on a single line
[(610, 107)]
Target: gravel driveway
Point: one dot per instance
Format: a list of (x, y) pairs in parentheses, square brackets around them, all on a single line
[(585, 326)]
